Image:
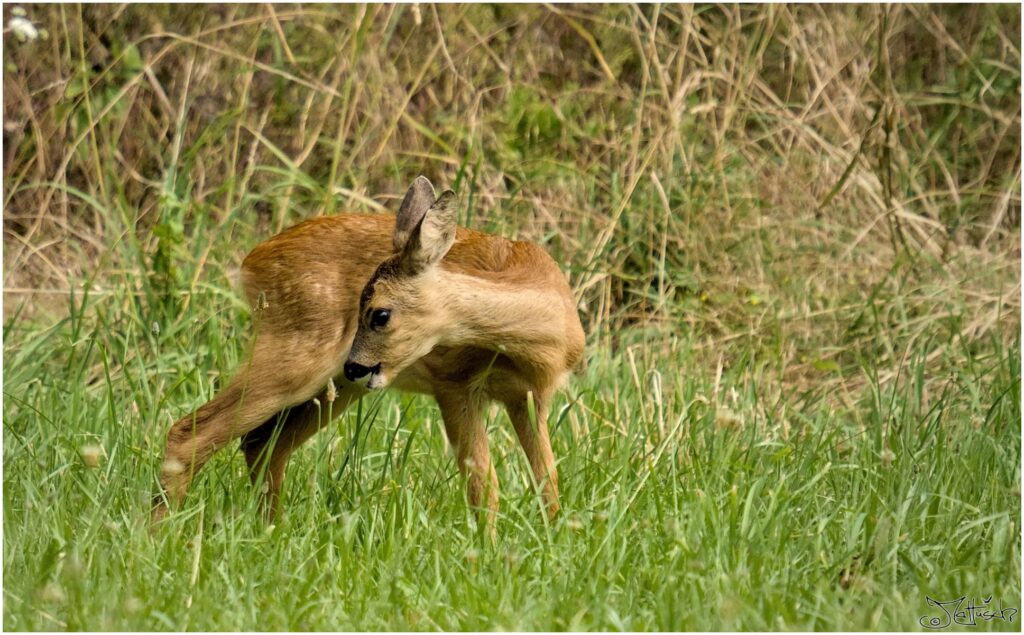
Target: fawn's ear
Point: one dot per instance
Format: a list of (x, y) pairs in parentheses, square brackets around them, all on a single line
[(414, 206), (429, 243)]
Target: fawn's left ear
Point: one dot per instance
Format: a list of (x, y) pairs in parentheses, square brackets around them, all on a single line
[(435, 235)]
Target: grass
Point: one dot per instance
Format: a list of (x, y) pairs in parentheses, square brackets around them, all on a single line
[(678, 513), (793, 231)]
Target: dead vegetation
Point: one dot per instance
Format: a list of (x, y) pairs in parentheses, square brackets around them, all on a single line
[(806, 185)]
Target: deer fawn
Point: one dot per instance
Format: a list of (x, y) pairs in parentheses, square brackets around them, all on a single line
[(464, 316)]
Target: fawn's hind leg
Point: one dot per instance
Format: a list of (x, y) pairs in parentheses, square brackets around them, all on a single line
[(268, 447), (533, 436), (264, 387), (464, 424)]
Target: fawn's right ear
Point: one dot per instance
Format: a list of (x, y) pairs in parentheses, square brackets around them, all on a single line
[(429, 242), (414, 207)]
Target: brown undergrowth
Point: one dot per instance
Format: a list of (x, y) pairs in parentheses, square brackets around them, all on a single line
[(791, 188)]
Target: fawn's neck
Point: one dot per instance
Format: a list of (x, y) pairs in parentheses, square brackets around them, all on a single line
[(520, 321)]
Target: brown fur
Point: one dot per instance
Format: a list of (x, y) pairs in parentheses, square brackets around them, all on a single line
[(494, 320)]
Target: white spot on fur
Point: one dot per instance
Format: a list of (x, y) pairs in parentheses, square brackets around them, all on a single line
[(172, 467)]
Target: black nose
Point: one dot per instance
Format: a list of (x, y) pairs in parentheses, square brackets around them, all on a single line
[(354, 371)]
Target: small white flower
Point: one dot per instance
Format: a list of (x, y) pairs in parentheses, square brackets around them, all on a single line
[(888, 456), (23, 29), (726, 419), (53, 592), (91, 455)]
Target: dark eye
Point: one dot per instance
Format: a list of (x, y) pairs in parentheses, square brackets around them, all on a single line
[(379, 319)]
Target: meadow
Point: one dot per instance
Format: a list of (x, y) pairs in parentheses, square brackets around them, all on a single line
[(793, 233)]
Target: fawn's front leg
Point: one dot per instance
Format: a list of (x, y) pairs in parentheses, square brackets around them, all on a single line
[(464, 424), (533, 436)]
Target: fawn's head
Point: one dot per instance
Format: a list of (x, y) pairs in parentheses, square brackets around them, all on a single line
[(400, 318)]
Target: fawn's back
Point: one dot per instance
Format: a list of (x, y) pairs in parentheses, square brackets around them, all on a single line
[(308, 279)]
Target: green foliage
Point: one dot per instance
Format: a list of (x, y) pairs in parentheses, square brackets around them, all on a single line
[(681, 509)]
